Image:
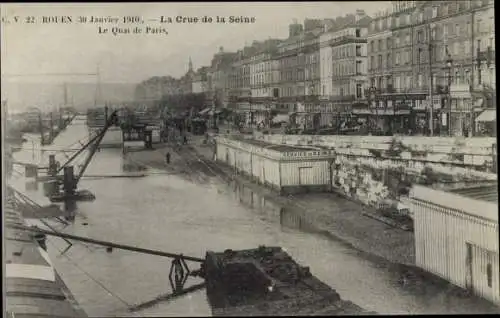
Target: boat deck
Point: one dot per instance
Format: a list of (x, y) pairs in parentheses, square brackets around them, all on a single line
[(33, 287)]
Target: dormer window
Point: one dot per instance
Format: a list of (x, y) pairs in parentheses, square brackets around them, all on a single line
[(434, 12)]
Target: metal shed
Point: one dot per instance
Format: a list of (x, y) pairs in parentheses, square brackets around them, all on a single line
[(456, 236), (288, 169)]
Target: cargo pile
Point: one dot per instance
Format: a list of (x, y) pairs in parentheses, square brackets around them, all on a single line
[(267, 281)]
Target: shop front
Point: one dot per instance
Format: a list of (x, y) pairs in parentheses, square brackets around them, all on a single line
[(461, 113), (486, 123)]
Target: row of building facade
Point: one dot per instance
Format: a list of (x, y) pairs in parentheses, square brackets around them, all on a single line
[(386, 71)]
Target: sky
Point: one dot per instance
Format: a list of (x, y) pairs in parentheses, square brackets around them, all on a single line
[(41, 48)]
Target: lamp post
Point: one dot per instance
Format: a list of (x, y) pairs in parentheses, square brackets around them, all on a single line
[(371, 97), (431, 103), (448, 67)]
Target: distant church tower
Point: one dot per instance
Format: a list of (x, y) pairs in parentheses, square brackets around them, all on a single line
[(190, 65)]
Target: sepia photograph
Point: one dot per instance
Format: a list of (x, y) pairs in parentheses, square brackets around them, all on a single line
[(249, 158)]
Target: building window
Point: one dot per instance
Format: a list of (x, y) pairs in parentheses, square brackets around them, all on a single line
[(358, 33), (358, 50), (380, 65), (407, 39), (467, 77), (420, 17), (397, 58), (372, 66), (445, 10), (420, 37), (358, 67), (434, 12), (397, 22), (359, 93), (489, 274), (388, 63), (445, 32), (389, 22)]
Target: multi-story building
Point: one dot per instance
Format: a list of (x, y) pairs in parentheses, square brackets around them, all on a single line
[(398, 89), (217, 77), (433, 52), (154, 88), (199, 81), (264, 81), (343, 67), (242, 92), (298, 58), (380, 63)]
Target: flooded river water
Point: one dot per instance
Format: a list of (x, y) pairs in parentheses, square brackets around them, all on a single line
[(168, 213)]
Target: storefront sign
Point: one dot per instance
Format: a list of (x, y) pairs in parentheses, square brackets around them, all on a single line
[(133, 134), (444, 119)]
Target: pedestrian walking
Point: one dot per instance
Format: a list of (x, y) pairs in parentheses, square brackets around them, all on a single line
[(185, 140), (167, 157)]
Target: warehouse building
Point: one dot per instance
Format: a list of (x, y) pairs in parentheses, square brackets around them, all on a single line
[(284, 168), (456, 236)]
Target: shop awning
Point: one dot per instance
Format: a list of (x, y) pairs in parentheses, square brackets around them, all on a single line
[(488, 115), (478, 102), (217, 112), (204, 111), (281, 118)]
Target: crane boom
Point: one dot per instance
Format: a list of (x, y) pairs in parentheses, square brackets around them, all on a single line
[(93, 149), (96, 139)]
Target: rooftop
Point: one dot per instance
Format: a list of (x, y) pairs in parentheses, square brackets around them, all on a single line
[(33, 287), (275, 147), (483, 193)]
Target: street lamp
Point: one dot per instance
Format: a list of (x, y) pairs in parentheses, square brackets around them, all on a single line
[(371, 97), (447, 68)]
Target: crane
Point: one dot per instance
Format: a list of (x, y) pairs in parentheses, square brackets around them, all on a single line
[(70, 181)]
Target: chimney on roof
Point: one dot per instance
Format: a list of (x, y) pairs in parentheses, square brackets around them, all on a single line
[(360, 14), (295, 29), (221, 49)]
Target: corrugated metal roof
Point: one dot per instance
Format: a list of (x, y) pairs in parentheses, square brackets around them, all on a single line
[(483, 193), (276, 147), (480, 208)]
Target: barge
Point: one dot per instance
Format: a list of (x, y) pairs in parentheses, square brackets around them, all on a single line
[(267, 282), (33, 287)]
